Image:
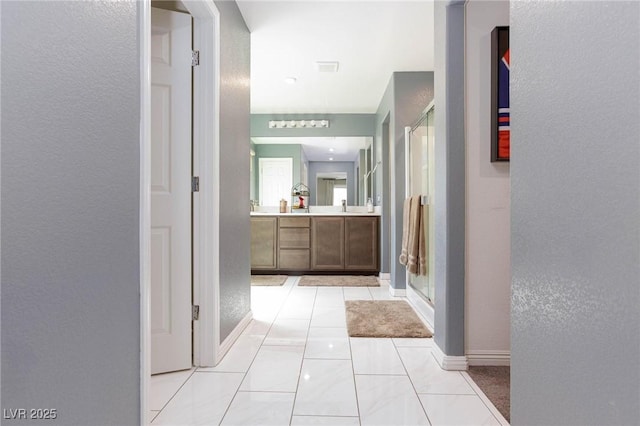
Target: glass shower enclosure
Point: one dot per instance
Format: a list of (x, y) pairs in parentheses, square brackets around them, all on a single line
[(419, 162)]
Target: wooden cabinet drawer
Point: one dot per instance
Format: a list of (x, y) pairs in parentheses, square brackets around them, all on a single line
[(294, 238), (296, 259), (294, 222)]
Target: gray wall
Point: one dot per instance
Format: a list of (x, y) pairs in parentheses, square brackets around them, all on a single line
[(70, 211), (406, 96), (235, 238), (575, 207), (449, 197), (316, 167)]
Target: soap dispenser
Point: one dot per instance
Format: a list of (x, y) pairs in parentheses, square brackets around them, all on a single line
[(369, 205)]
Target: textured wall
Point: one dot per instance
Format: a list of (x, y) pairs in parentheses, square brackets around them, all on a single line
[(70, 211), (488, 238), (235, 238), (575, 208)]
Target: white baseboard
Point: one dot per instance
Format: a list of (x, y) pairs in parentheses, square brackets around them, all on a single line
[(385, 276), (397, 292), (489, 358), (233, 336), (449, 362)]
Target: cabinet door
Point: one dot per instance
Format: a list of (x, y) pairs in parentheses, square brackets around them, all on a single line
[(361, 243), (294, 259), (264, 242), (327, 240)]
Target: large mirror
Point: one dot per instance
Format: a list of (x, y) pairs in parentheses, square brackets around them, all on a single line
[(334, 168)]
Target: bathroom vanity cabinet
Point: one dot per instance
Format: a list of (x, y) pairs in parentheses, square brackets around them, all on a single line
[(264, 242), (327, 253), (321, 243)]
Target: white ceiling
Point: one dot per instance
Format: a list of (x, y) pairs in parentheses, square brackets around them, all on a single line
[(317, 149), (370, 40)]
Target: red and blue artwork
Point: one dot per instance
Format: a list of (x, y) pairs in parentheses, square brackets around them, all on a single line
[(504, 130), (500, 112)]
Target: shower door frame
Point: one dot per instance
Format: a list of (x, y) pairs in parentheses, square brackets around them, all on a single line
[(419, 302)]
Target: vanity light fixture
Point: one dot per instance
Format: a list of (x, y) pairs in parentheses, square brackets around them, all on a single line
[(293, 124)]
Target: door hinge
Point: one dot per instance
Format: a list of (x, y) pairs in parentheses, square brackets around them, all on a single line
[(195, 312), (195, 58), (195, 184)]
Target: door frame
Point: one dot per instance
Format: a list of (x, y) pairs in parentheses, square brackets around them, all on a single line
[(206, 148), (426, 310)]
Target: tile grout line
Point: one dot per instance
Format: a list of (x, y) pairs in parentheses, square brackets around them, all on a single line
[(175, 393), (353, 371), (485, 399), (295, 397), (411, 381), (244, 375)]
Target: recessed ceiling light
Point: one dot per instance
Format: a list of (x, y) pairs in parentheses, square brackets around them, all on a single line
[(330, 158), (290, 80), (330, 149)]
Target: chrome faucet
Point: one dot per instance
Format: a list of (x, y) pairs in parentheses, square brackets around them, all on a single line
[(344, 206)]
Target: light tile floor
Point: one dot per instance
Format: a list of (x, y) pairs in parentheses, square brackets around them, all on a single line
[(294, 364)]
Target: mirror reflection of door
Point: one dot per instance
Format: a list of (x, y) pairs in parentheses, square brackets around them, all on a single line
[(276, 180), (331, 189)]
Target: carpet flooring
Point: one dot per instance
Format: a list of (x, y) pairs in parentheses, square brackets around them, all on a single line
[(383, 318), (339, 280), (268, 280), (495, 382)]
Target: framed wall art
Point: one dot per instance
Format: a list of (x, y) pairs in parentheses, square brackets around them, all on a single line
[(500, 116)]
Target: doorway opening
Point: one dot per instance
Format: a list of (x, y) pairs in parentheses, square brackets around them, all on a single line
[(203, 343)]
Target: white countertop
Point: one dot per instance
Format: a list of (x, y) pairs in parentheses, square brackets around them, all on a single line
[(315, 214), (319, 211)]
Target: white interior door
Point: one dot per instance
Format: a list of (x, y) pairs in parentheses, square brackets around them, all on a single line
[(276, 180), (170, 191)]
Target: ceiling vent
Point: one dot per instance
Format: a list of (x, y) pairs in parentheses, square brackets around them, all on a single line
[(327, 66)]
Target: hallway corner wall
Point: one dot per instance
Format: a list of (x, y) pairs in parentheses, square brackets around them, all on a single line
[(235, 269), (450, 177), (71, 211), (405, 98), (487, 224), (575, 121)]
